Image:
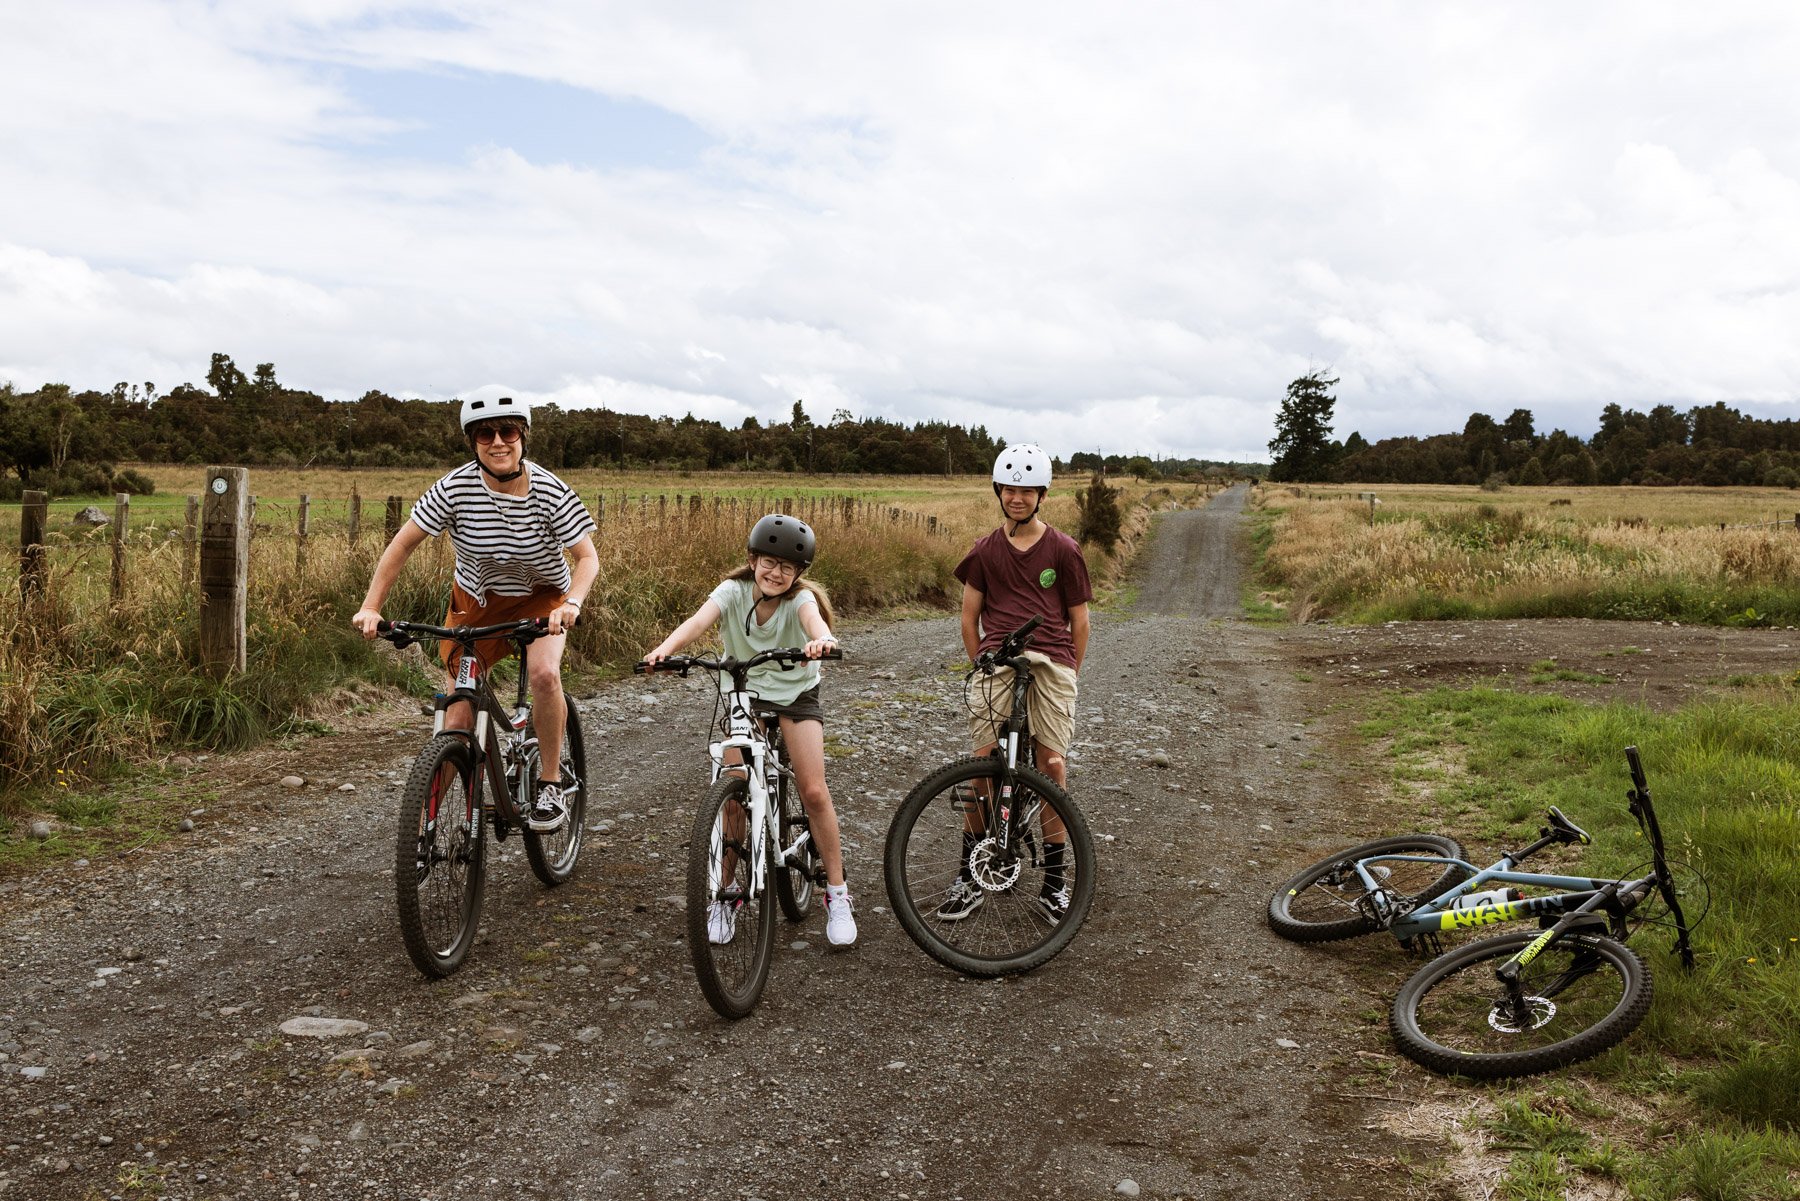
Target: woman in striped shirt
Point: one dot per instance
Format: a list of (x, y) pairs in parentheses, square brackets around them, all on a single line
[(510, 522)]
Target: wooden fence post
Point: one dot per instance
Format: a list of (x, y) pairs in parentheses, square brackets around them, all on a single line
[(600, 508), (224, 570), (121, 518), (931, 527), (300, 529), (33, 561), (393, 517), (662, 510), (190, 543), (355, 531)]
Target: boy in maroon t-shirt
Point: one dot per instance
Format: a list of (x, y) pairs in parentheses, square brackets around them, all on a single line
[(1022, 570)]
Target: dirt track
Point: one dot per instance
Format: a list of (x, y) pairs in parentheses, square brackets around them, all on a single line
[(573, 1056)]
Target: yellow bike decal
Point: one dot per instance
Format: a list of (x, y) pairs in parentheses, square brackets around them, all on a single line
[(1485, 913)]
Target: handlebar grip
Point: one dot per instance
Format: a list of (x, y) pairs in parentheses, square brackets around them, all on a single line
[(833, 653), (383, 626), (1637, 767), (640, 668)]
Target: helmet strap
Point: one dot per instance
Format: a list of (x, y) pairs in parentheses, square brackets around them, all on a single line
[(508, 478)]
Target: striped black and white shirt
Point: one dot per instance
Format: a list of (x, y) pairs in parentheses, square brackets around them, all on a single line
[(506, 545)]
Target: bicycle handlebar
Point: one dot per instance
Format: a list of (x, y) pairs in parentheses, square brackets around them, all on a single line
[(404, 633), (1010, 646), (787, 656)]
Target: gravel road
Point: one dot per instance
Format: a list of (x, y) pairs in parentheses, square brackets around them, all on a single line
[(1175, 1050)]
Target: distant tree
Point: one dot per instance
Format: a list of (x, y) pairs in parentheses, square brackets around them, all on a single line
[(1142, 467), (1302, 446)]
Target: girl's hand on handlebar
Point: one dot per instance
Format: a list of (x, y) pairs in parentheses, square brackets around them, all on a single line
[(819, 648), (366, 621)]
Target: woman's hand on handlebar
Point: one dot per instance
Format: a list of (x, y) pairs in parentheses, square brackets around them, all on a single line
[(823, 648), (367, 621), (562, 618)]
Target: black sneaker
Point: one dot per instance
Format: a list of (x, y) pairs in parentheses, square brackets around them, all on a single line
[(962, 898), (548, 812), (1053, 904)]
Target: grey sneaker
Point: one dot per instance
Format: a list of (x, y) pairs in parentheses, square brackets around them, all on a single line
[(962, 898), (549, 811)]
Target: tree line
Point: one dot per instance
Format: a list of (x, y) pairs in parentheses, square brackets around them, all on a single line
[(65, 442), (1706, 445), (61, 440)]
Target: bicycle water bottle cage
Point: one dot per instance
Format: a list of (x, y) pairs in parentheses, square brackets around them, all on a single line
[(1564, 829)]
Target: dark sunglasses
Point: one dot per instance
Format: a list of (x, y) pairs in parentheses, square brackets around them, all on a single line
[(485, 434)]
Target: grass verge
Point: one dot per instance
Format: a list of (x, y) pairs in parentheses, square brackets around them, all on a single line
[(1703, 1099)]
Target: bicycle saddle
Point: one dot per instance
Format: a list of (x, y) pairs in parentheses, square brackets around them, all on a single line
[(1561, 827)]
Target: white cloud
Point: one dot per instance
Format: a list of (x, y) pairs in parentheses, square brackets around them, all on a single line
[(1127, 227)]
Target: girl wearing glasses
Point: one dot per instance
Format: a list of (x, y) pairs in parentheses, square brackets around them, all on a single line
[(511, 522), (765, 605)]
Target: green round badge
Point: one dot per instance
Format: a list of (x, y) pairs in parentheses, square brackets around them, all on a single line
[(1046, 577)]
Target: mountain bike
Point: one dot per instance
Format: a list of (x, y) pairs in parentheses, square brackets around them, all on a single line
[(989, 865), (464, 780), (749, 832), (1517, 1004)]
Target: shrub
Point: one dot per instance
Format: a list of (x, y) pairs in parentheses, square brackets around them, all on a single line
[(1101, 521)]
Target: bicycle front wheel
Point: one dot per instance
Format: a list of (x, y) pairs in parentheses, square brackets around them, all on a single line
[(730, 924), (1581, 995), (972, 905), (1325, 902), (439, 850), (794, 884), (553, 855)]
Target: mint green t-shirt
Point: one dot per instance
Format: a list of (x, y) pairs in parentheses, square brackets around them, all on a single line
[(735, 599)]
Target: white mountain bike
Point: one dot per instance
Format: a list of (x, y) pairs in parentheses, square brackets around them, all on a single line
[(749, 831)]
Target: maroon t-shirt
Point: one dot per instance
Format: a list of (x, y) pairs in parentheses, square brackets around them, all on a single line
[(1016, 586)]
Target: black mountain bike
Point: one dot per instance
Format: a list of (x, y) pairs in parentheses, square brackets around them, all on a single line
[(989, 864), (464, 780)]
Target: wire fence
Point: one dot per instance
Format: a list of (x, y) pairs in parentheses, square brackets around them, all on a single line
[(82, 542)]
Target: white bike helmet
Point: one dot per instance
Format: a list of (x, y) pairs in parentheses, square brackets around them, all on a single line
[(1023, 466), (488, 410)]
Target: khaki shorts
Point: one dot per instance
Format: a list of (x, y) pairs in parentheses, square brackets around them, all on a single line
[(1050, 704)]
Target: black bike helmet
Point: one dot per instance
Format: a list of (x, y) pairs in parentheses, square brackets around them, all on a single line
[(783, 537)]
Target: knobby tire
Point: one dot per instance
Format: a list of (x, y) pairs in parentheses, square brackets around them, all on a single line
[(1324, 902), (1587, 992), (1008, 933), (440, 856)]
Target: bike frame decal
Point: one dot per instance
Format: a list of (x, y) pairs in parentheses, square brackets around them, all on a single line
[(1485, 913), (1524, 958)]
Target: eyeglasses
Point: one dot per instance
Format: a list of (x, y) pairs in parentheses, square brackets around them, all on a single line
[(485, 435)]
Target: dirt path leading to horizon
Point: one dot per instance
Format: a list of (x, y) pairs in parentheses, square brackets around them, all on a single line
[(1176, 1044)]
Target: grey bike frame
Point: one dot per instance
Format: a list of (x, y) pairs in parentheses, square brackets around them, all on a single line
[(1439, 915)]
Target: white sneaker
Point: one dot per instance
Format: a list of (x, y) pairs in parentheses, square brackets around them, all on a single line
[(721, 923), (840, 922)]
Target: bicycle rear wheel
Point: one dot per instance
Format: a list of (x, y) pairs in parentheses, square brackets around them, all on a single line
[(794, 885), (1324, 902), (730, 925), (970, 906), (1583, 994), (439, 856), (553, 856)]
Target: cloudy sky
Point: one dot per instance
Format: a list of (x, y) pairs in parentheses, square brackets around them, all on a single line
[(1122, 227)]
